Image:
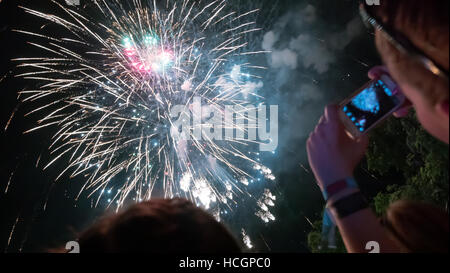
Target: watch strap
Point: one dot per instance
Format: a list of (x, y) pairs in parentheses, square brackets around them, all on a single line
[(350, 205), (339, 186)]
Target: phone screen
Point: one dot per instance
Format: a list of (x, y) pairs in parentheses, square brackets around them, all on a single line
[(371, 105)]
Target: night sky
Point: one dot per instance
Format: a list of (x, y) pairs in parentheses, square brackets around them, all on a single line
[(333, 56)]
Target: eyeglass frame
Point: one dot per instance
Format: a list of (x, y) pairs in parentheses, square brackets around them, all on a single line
[(404, 46)]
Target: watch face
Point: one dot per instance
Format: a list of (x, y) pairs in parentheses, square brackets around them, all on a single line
[(350, 205)]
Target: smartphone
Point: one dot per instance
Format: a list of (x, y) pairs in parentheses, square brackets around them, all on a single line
[(370, 106)]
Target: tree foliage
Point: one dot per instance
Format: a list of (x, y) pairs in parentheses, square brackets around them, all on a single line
[(317, 245), (402, 146)]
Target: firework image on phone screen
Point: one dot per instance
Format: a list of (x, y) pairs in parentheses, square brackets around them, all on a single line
[(378, 100)]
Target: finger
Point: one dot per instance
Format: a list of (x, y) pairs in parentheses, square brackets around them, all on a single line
[(404, 110), (310, 137), (322, 120), (310, 143), (316, 130), (377, 71), (363, 142), (332, 114)]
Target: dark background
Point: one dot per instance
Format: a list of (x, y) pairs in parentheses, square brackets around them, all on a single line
[(36, 213)]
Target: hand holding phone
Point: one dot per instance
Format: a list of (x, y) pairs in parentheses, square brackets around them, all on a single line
[(371, 105), (332, 154)]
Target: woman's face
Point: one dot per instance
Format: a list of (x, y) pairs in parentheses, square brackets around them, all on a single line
[(434, 117), (430, 116)]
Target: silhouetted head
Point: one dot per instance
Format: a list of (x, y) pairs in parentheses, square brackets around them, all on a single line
[(159, 226), (426, 25), (418, 227)]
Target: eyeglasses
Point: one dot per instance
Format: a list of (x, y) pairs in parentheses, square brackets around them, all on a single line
[(401, 43)]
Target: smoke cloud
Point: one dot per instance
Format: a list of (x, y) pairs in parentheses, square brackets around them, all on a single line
[(305, 52)]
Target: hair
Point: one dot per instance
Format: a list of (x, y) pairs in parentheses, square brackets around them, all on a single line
[(426, 25), (418, 227), (159, 226)]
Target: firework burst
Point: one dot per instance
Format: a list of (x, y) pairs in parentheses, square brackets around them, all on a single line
[(107, 83)]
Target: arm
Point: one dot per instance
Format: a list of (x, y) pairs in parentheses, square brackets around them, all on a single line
[(333, 156), (360, 228)]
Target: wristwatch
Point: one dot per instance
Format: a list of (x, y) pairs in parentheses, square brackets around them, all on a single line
[(349, 205)]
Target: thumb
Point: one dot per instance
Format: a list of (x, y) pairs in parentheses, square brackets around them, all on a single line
[(332, 114), (377, 71), (363, 142)]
